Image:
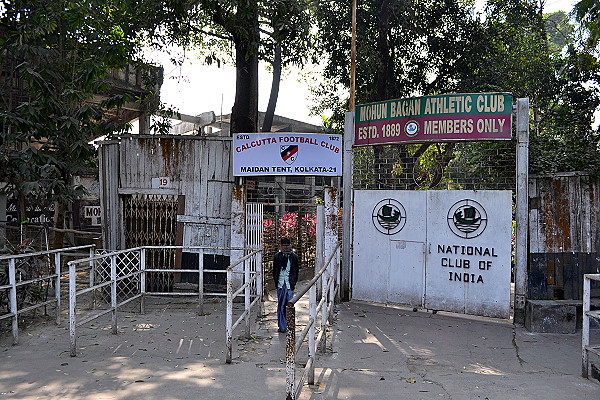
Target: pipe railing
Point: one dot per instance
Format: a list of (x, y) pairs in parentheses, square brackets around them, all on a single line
[(252, 279), (586, 348), (139, 271), (294, 343), (48, 276)]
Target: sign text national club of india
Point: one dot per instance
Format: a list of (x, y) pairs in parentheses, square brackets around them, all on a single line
[(477, 116)]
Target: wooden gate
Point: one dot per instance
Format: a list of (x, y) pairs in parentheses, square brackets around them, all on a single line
[(564, 234)]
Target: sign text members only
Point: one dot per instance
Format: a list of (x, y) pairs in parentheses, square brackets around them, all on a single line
[(287, 154), (478, 116)]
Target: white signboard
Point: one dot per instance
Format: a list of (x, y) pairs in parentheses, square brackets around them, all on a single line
[(94, 213), (287, 154), (163, 182), (444, 250)]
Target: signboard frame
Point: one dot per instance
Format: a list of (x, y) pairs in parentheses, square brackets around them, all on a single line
[(287, 153), (439, 118)]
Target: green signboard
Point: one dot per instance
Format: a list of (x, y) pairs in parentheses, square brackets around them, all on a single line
[(449, 117)]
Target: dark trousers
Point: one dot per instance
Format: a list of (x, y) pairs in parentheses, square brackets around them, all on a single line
[(283, 296)]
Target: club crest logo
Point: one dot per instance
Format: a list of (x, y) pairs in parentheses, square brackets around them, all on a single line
[(411, 128), (467, 219), (289, 153), (389, 216)]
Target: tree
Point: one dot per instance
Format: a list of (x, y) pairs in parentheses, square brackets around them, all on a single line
[(275, 31), (430, 47), (587, 13), (59, 52), (405, 49)]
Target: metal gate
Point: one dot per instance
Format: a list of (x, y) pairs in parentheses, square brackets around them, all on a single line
[(295, 221), (443, 250), (151, 220)]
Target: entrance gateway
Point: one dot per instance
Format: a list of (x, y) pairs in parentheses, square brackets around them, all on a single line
[(440, 249)]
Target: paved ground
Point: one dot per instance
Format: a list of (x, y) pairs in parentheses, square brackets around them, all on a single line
[(374, 352)]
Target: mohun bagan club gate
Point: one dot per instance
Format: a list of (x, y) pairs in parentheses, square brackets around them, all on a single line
[(438, 249)]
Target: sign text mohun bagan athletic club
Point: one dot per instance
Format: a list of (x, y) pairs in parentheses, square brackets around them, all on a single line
[(287, 154), (478, 116)]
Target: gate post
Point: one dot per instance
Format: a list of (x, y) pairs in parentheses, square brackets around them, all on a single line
[(522, 209), (320, 239), (331, 233), (348, 203), (238, 231)]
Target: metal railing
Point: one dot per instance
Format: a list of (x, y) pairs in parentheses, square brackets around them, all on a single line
[(49, 273), (327, 277), (253, 278), (137, 272), (586, 348)]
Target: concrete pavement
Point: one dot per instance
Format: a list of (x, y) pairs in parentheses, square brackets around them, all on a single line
[(373, 352)]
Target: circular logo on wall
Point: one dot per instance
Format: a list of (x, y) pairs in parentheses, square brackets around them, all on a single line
[(411, 128), (467, 219), (389, 216)]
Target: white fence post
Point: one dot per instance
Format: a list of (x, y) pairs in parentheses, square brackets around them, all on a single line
[(585, 329), (320, 249), (12, 281), (113, 292), (143, 281), (57, 261), (312, 316), (229, 317), (201, 282), (246, 266), (259, 283), (72, 307)]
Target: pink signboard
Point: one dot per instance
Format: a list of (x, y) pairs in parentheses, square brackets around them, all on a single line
[(442, 118)]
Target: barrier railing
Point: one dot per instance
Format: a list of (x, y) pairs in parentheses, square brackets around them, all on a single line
[(586, 348), (253, 279), (327, 276), (23, 272), (134, 260)]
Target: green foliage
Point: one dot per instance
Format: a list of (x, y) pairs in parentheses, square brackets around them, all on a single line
[(587, 13), (59, 52), (423, 47)]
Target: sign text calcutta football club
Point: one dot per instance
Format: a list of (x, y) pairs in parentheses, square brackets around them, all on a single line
[(478, 116), (257, 154)]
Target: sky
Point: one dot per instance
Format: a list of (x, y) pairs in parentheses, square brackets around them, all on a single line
[(194, 88)]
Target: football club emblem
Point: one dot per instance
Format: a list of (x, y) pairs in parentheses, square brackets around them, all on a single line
[(411, 128), (389, 216), (467, 219), (289, 153)]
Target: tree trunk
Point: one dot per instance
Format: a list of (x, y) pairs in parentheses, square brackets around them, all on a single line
[(268, 121), (244, 114)]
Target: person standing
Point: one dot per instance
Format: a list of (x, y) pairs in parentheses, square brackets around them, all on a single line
[(285, 275)]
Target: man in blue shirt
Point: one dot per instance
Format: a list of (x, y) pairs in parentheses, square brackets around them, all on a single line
[(285, 275)]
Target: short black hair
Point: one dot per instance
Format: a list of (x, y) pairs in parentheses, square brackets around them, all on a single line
[(285, 241)]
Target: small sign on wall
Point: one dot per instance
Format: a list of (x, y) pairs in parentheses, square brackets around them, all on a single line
[(163, 182), (93, 213)]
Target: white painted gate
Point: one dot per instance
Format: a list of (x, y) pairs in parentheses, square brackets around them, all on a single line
[(443, 250)]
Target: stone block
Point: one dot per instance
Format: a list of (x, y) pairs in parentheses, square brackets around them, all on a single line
[(551, 316)]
